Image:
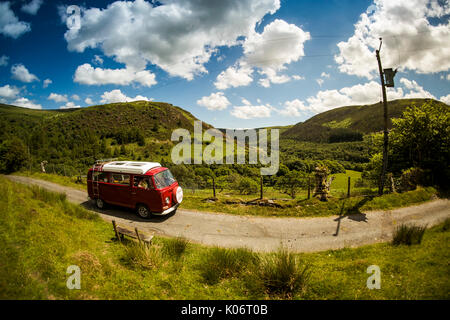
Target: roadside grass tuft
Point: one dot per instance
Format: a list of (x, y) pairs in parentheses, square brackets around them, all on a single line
[(140, 256), (174, 248), (446, 225), (47, 196), (408, 235), (218, 263), (282, 274)]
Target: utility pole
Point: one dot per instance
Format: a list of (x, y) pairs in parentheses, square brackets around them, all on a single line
[(385, 116)]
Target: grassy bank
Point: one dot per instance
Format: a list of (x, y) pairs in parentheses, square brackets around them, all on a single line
[(42, 234)]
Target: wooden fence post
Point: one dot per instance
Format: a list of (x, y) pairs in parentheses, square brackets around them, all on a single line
[(348, 188), (137, 234), (115, 231), (309, 188), (261, 189)]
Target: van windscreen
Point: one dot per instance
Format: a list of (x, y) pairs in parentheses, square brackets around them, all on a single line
[(164, 179)]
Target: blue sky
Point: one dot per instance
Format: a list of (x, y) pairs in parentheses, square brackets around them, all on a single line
[(236, 64)]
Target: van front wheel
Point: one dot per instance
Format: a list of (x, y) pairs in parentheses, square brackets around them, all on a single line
[(143, 211)]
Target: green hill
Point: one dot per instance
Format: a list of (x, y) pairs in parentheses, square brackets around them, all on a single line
[(79, 136), (348, 123)]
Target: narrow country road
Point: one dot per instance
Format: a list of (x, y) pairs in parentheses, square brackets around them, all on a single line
[(267, 234)]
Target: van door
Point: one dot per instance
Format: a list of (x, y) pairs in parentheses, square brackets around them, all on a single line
[(118, 190), (144, 192)]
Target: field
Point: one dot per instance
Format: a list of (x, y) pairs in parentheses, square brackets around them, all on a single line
[(34, 259)]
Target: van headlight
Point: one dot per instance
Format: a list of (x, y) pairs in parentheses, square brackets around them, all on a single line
[(167, 200)]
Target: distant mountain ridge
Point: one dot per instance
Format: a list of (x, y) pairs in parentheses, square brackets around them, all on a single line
[(349, 123)]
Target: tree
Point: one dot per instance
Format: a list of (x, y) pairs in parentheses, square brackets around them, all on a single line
[(291, 182), (13, 154), (247, 185)]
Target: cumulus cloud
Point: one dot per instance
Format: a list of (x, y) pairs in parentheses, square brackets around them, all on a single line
[(57, 97), (410, 41), (32, 7), (88, 101), (249, 111), (279, 44), (4, 60), (117, 96), (234, 77), (360, 94), (10, 26), (187, 32), (86, 74), (97, 59), (25, 103), (46, 83), (69, 105), (21, 73), (215, 101), (75, 97), (8, 92)]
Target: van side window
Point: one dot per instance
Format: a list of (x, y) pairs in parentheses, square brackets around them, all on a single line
[(101, 176), (142, 182), (123, 179)]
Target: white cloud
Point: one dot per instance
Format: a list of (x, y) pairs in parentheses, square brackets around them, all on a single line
[(8, 92), (279, 44), (46, 83), (32, 7), (69, 105), (75, 97), (21, 73), (24, 102), (320, 81), (86, 74), (186, 32), (298, 77), (445, 99), (57, 97), (117, 96), (97, 59), (10, 25), (4, 60), (234, 77), (215, 101), (360, 94), (89, 101), (293, 108), (249, 111), (410, 41)]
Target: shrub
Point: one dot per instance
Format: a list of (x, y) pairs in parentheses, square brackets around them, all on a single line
[(411, 178), (408, 235), (247, 186), (283, 274), (175, 247), (220, 263)]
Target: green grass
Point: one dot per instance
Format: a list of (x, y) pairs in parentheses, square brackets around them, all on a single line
[(41, 234), (55, 178), (408, 235)]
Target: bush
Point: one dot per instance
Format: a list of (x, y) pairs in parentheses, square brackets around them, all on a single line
[(247, 186), (408, 235), (220, 263), (411, 178), (283, 274)]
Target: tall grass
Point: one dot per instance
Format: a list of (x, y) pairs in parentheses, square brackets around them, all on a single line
[(408, 235), (219, 263), (282, 274), (141, 256), (175, 248)]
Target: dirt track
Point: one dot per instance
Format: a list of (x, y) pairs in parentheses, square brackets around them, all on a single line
[(267, 234)]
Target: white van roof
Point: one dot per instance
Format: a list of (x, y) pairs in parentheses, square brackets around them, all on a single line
[(134, 167)]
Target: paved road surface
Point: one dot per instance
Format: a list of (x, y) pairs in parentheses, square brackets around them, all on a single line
[(267, 234)]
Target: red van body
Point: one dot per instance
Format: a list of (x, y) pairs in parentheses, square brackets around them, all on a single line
[(154, 191)]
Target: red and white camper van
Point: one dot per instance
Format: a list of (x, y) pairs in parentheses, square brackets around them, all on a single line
[(145, 186)]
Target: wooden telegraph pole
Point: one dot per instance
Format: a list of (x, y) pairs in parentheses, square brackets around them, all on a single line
[(385, 116)]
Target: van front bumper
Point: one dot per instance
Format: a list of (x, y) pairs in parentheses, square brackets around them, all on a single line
[(170, 210)]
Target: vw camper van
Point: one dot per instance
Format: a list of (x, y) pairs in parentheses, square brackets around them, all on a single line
[(145, 186)]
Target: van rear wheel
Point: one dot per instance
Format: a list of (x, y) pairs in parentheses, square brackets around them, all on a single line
[(143, 211), (99, 203)]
